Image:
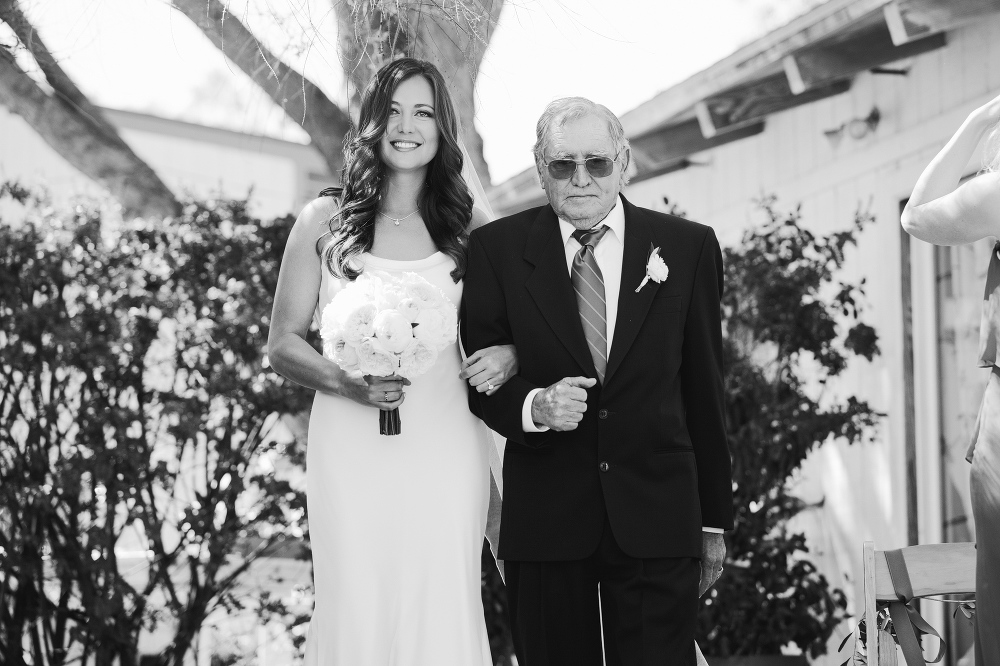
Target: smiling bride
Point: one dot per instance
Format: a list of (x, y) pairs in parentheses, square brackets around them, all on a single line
[(396, 523)]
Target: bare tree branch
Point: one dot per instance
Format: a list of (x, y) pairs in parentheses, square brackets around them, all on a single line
[(74, 127), (324, 121), (12, 15)]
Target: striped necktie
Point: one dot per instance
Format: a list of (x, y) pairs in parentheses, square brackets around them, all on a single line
[(589, 286)]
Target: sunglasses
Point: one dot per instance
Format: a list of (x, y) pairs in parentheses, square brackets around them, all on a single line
[(598, 167)]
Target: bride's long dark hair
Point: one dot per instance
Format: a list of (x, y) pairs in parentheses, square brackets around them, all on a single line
[(445, 202)]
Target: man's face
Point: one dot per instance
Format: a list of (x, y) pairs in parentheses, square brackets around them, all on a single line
[(582, 200)]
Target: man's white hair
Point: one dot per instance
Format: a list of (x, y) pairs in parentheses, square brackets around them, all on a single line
[(564, 109)]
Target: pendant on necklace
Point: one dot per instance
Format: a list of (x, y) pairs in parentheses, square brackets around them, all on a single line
[(397, 220)]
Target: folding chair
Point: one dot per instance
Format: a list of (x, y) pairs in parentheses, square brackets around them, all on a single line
[(916, 571)]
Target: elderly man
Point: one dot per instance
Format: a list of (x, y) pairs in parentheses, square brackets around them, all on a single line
[(617, 476)]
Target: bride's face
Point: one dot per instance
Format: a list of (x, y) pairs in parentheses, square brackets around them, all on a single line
[(411, 136)]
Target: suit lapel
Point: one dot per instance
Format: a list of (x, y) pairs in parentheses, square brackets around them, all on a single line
[(550, 287), (632, 306)]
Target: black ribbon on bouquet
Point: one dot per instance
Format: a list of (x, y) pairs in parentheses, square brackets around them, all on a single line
[(906, 621), (388, 422)]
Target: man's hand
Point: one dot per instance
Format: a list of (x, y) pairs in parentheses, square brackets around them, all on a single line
[(561, 406), (713, 554)]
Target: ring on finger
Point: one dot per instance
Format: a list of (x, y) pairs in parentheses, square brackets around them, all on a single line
[(490, 384), (387, 396)]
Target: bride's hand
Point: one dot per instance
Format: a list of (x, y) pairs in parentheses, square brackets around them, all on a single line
[(382, 392), (489, 368)]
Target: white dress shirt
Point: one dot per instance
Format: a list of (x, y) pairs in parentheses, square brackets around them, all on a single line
[(609, 254)]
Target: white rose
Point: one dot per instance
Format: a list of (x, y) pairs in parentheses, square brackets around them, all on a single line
[(341, 353), (360, 323), (408, 279), (422, 291), (344, 302), (389, 296), (449, 313), (367, 285), (656, 268), (409, 308), (407, 359), (373, 359), (393, 330), (329, 323), (430, 327), (417, 359)]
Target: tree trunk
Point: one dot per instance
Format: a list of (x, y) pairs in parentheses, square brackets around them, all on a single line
[(74, 127), (190, 623), (325, 122), (454, 38)]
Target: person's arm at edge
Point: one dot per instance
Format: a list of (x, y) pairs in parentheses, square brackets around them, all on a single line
[(942, 212)]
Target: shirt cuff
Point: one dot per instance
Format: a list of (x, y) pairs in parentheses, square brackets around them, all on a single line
[(713, 530), (527, 423)]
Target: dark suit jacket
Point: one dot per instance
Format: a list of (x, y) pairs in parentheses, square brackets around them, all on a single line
[(658, 422)]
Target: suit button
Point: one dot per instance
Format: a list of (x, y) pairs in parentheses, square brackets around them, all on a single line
[(604, 467), (603, 414)]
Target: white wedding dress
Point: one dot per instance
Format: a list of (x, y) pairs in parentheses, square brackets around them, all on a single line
[(397, 522)]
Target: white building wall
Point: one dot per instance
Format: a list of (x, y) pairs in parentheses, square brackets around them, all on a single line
[(196, 168), (863, 485), (279, 176), (26, 158)]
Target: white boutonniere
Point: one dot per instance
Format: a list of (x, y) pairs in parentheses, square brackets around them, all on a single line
[(656, 269)]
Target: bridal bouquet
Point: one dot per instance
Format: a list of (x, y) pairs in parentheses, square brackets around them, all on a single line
[(383, 325)]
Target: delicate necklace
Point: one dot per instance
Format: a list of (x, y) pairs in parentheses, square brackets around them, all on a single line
[(397, 220)]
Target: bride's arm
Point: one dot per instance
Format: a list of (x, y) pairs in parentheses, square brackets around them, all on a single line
[(492, 365), (939, 213), (295, 301), (294, 304)]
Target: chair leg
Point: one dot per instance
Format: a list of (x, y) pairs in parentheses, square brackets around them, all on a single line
[(886, 650), (872, 638)]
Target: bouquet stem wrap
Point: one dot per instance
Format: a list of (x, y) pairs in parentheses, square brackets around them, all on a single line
[(388, 422)]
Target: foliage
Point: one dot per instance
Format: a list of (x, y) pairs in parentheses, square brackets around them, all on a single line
[(790, 325), (136, 414)]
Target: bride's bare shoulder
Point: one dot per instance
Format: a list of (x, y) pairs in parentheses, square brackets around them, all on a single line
[(319, 211), (313, 222)]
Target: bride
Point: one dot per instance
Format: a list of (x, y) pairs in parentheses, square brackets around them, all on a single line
[(396, 523)]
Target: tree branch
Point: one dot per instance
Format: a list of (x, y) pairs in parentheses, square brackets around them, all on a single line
[(75, 128), (325, 122)]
